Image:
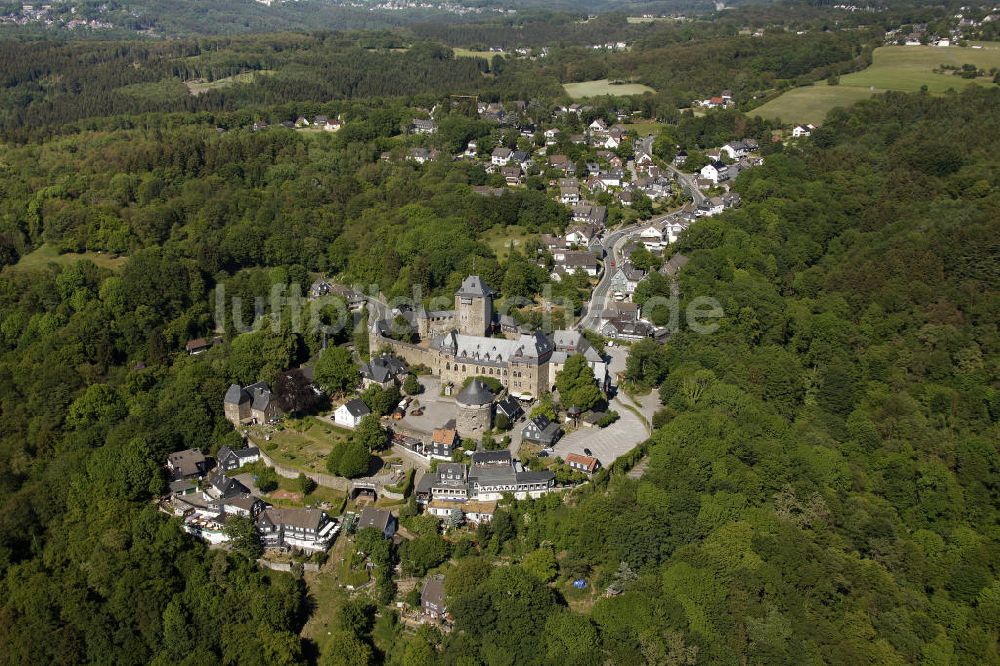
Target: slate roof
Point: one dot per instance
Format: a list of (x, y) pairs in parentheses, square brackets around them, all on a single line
[(476, 393), (357, 408), (475, 287), (372, 517), (491, 457), (227, 486)]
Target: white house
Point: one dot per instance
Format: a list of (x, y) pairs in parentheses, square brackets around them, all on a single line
[(612, 143), (598, 126), (653, 237), (569, 195), (350, 413), (711, 206), (501, 156), (715, 172), (471, 150), (802, 130), (580, 234), (332, 125)]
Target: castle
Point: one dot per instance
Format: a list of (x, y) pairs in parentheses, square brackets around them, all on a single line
[(455, 345)]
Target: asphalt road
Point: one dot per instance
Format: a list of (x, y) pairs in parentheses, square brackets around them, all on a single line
[(687, 180)]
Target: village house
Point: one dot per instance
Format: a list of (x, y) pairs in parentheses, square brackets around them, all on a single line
[(350, 413), (221, 486), (472, 511), (197, 346), (509, 408), (581, 463), (711, 206), (444, 442), (229, 459), (596, 216), (580, 234), (384, 371), (715, 172), (802, 130), (569, 195), (562, 163), (432, 597), (471, 150), (626, 279), (187, 464), (568, 343), (251, 404), (511, 174), (501, 156), (540, 430), (305, 529), (680, 158), (421, 126), (378, 519), (573, 261), (737, 149), (624, 329)]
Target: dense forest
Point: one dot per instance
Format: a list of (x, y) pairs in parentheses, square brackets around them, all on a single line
[(58, 87), (822, 481)]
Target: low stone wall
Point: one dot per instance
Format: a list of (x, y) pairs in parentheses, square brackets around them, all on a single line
[(287, 566), (325, 480)]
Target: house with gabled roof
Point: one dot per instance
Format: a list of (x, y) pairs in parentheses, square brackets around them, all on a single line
[(350, 413), (251, 404), (540, 430), (187, 464), (305, 529), (379, 519), (589, 465), (383, 371), (229, 459)]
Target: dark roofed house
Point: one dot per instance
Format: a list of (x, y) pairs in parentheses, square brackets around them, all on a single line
[(251, 404), (222, 486), (510, 408), (187, 464), (502, 458), (229, 459), (197, 346), (379, 519), (540, 430), (307, 529), (432, 597), (421, 126), (383, 370), (350, 413)]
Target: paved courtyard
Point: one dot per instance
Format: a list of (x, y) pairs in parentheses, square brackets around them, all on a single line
[(438, 410), (608, 444)]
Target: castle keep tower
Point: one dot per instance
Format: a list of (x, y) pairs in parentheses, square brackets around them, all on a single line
[(475, 409), (474, 306)]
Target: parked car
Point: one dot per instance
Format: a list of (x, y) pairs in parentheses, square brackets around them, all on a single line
[(587, 452)]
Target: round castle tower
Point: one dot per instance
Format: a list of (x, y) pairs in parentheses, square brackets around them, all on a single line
[(475, 408)]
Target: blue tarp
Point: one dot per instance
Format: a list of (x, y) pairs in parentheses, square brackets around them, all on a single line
[(579, 584)]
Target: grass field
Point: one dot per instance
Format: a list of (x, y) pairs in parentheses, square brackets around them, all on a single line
[(499, 239), (199, 86), (47, 253), (304, 443), (904, 68), (469, 53), (604, 87)]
